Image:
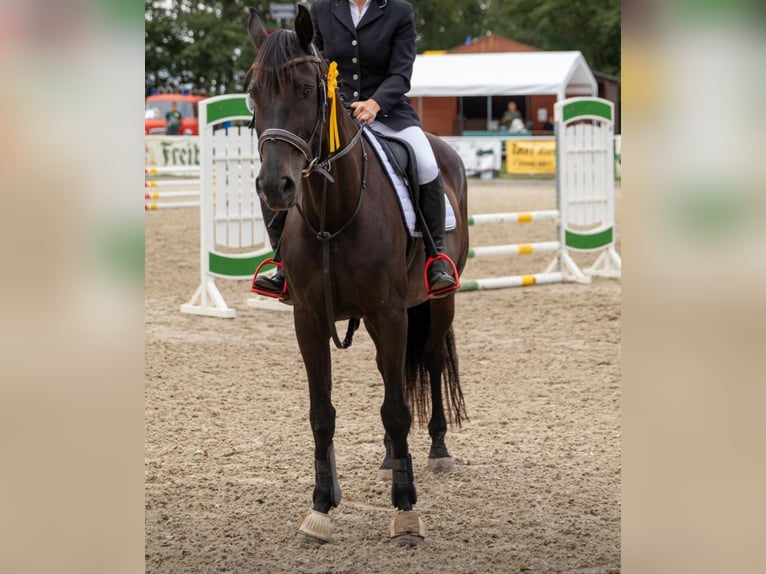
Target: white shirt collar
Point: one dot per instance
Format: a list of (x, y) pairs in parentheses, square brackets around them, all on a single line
[(356, 14)]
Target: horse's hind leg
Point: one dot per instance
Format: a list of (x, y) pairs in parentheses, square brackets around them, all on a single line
[(315, 349), (435, 354), (384, 471)]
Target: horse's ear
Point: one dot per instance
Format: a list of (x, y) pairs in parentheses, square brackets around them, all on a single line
[(304, 28), (255, 28)]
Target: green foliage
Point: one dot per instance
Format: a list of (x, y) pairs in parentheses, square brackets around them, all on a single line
[(204, 44), (199, 44), (590, 26)]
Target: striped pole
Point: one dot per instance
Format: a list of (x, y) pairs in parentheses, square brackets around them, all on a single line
[(171, 182), (154, 170), (515, 249), (513, 217), (155, 206), (170, 194), (510, 281)]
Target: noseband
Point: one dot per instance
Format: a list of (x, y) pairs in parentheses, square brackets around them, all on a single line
[(313, 162)]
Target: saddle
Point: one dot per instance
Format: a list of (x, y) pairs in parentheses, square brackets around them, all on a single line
[(402, 158)]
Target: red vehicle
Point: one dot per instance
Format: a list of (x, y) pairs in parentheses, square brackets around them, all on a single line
[(157, 105)]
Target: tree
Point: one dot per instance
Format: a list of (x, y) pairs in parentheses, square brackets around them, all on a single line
[(590, 26), (444, 24), (203, 44)]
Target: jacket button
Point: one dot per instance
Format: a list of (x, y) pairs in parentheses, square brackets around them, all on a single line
[(356, 76), (354, 60), (353, 42), (356, 94)]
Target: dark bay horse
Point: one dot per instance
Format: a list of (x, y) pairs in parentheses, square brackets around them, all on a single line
[(348, 255)]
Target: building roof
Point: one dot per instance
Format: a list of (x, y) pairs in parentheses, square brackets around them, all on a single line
[(492, 43), (507, 73)]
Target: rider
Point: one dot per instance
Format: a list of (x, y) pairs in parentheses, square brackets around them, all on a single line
[(373, 43)]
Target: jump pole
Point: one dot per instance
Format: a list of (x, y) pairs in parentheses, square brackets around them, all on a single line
[(170, 205)]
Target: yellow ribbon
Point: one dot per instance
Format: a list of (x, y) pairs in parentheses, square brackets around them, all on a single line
[(332, 86)]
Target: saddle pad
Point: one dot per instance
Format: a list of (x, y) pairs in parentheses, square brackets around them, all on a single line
[(405, 201)]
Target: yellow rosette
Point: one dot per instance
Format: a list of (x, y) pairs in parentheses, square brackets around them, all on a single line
[(332, 86)]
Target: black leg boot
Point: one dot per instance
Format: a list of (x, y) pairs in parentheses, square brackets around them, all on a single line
[(440, 273), (276, 223)]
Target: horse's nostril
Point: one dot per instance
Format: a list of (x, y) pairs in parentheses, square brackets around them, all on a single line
[(288, 186)]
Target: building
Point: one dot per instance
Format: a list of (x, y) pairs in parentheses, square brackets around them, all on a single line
[(468, 87)]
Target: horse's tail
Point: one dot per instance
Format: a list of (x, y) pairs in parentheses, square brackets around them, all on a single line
[(417, 379)]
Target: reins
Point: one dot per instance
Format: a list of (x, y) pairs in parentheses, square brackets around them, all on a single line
[(323, 167), (325, 237)]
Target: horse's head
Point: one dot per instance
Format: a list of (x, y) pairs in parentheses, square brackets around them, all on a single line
[(289, 95)]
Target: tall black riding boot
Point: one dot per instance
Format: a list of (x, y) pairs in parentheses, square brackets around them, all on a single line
[(276, 223), (440, 273)]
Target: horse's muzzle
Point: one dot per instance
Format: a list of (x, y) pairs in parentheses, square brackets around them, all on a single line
[(278, 193)]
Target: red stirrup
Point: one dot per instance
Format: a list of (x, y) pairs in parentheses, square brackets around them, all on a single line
[(428, 264), (254, 289)]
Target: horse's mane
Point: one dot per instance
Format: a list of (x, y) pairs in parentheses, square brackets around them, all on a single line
[(270, 74)]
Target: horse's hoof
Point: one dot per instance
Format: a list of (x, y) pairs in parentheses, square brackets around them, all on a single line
[(407, 528), (442, 464), (385, 474), (315, 528)]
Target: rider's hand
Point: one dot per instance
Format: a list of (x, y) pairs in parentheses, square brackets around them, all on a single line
[(365, 111)]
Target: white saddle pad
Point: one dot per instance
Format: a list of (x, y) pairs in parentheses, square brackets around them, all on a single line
[(405, 202)]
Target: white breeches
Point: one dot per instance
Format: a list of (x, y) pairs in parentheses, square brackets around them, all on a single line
[(428, 169)]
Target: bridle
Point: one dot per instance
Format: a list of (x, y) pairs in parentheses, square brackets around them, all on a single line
[(307, 148), (312, 152)]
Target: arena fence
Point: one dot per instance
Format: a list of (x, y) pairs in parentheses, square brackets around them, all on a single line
[(584, 198), (233, 239)]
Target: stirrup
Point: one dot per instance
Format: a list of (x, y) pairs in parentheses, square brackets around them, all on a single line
[(259, 291), (430, 261)]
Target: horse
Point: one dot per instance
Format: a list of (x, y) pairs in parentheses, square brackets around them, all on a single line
[(347, 255)]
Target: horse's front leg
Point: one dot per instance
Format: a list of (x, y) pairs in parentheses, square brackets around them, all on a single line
[(389, 331), (313, 340)]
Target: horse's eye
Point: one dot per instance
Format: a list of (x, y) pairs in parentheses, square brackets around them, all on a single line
[(307, 89)]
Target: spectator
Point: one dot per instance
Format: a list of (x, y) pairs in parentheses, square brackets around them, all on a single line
[(173, 119), (509, 115)]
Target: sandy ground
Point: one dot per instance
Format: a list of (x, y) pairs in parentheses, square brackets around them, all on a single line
[(229, 468)]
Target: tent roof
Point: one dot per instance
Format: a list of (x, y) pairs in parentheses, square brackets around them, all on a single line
[(506, 73)]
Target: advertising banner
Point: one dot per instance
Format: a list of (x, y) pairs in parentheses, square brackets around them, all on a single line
[(530, 157), (162, 150), (481, 156)]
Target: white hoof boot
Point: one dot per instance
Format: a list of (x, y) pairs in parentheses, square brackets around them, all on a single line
[(444, 464), (316, 527), (407, 528)]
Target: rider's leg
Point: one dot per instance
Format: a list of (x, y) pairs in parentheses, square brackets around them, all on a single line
[(440, 271), (431, 199), (275, 223)]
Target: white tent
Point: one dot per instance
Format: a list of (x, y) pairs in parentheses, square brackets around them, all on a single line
[(503, 74)]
